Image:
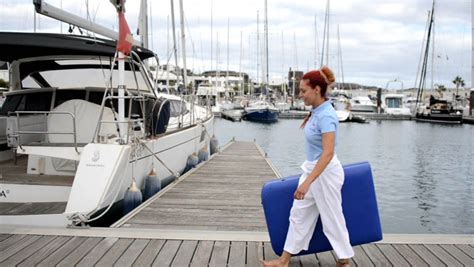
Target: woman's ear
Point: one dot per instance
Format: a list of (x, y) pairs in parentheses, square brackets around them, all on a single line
[(318, 89)]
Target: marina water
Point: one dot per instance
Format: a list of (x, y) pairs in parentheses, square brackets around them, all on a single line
[(423, 172)]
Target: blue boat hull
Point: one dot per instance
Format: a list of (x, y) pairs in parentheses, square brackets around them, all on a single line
[(262, 116)]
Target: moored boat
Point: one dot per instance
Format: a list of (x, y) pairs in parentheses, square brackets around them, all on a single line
[(75, 156)]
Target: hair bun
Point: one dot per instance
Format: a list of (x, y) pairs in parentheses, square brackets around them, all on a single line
[(329, 74)]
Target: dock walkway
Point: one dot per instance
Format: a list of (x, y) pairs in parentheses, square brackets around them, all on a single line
[(209, 217), (223, 195)]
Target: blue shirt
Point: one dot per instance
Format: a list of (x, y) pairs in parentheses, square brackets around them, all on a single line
[(323, 120)]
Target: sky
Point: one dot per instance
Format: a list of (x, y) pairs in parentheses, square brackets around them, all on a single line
[(374, 43)]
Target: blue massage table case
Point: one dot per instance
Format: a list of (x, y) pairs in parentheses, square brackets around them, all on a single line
[(359, 206)]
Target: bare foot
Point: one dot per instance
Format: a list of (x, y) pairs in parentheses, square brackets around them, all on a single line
[(343, 263), (274, 263)]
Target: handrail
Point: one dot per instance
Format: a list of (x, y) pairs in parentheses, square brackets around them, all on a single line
[(102, 106), (18, 132)]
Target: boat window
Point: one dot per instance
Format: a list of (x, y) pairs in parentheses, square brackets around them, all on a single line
[(96, 77), (393, 102), (27, 102), (29, 82), (177, 108), (65, 95), (10, 104)]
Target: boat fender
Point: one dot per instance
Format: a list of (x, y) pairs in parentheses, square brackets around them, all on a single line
[(168, 180), (203, 154), (152, 184), (132, 199), (214, 145), (192, 161)]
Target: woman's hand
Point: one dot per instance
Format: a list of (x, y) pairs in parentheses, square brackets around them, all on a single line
[(302, 190)]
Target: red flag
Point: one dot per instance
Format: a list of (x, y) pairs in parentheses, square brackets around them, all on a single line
[(125, 41)]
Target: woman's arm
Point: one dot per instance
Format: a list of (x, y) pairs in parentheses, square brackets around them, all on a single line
[(326, 156)]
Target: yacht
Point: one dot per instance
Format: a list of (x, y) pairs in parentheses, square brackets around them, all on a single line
[(75, 143), (363, 104), (393, 104)]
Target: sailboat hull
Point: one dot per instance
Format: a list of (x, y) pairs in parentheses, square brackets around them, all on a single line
[(439, 118), (262, 115)]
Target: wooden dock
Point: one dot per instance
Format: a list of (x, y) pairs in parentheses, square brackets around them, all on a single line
[(211, 216), (222, 195)]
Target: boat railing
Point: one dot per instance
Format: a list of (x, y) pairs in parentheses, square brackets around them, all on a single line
[(17, 134), (130, 122)]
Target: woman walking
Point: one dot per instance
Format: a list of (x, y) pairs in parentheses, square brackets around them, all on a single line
[(319, 187)]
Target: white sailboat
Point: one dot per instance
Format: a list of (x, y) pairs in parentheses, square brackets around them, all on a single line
[(76, 153)]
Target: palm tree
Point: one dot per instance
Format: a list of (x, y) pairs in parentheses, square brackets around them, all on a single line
[(458, 81)]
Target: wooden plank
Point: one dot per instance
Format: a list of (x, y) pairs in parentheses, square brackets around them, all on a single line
[(467, 249), (28, 251), (185, 253), (326, 259), (167, 253), (377, 258), (11, 250), (426, 255), (45, 251), (55, 257), (147, 257), (254, 254), (97, 252), (219, 254), (4, 236), (309, 260), (237, 254), (268, 253), (79, 252), (409, 255), (295, 261), (114, 253), (458, 254), (203, 253), (443, 255), (392, 255), (360, 257), (10, 241), (132, 252)]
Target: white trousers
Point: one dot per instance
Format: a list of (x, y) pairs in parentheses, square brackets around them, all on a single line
[(323, 199)]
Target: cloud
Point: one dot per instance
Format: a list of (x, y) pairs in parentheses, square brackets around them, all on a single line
[(379, 40)]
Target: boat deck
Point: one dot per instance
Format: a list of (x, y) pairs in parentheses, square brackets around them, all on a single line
[(29, 208), (210, 216), (15, 173)]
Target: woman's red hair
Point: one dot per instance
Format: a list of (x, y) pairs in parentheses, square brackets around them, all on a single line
[(322, 78)]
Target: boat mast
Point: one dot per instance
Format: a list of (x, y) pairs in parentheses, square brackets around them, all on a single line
[(325, 37), (175, 49), (143, 24), (340, 55), (421, 86), (183, 46), (316, 45), (267, 80), (227, 71), (433, 47), (258, 45)]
